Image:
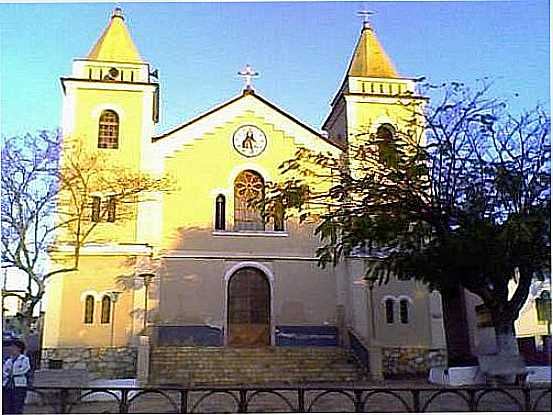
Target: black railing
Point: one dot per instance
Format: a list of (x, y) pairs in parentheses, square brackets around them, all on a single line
[(288, 399)]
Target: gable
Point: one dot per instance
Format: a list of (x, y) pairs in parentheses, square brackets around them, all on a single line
[(248, 103)]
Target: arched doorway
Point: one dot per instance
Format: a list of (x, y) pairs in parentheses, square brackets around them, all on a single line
[(249, 305)]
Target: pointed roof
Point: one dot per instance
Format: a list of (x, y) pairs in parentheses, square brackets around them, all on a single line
[(370, 59), (116, 43), (246, 93)]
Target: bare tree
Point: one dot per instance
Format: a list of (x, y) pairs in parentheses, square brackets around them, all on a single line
[(29, 191), (49, 197)]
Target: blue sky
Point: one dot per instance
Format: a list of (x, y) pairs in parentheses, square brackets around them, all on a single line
[(300, 49)]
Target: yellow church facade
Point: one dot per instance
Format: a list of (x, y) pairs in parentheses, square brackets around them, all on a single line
[(198, 266)]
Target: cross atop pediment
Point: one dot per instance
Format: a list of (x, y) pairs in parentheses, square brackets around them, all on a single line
[(248, 73)]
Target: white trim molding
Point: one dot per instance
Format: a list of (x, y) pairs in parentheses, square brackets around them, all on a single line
[(236, 170), (251, 233), (93, 293), (250, 264), (107, 86), (202, 255), (405, 297), (105, 249), (103, 294), (388, 297), (98, 109), (68, 112)]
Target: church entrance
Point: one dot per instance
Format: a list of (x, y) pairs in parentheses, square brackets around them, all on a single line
[(249, 299)]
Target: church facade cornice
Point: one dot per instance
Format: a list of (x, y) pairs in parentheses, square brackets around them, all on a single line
[(114, 85), (206, 255), (385, 99), (102, 249)]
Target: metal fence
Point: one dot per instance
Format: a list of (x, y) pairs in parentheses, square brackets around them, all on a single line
[(287, 399)]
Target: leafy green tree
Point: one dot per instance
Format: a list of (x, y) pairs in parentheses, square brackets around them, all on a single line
[(461, 198)]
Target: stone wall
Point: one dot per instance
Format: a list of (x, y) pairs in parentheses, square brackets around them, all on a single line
[(100, 362), (417, 361)]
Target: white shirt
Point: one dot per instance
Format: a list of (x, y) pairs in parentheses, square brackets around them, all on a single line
[(17, 368)]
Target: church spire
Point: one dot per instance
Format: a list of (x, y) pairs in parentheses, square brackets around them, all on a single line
[(371, 94), (115, 43), (369, 59)]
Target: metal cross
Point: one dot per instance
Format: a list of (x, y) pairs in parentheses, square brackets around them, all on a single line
[(366, 15), (248, 73), (118, 11)]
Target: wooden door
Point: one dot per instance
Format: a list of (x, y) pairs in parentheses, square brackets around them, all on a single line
[(249, 300)]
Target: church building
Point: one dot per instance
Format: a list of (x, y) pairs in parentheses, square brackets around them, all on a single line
[(198, 272)]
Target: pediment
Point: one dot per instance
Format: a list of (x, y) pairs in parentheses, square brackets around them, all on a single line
[(247, 103)]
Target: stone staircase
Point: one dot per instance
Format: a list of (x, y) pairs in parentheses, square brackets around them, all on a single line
[(235, 366)]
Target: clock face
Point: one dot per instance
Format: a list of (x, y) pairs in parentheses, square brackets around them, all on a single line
[(249, 141)]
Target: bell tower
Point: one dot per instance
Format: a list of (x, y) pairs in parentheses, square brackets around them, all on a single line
[(373, 96), (109, 101), (110, 107)]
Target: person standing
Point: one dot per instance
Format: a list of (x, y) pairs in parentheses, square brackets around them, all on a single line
[(14, 379)]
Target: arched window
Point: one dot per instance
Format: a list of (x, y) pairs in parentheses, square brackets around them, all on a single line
[(249, 188), (278, 217), (106, 309), (112, 202), (389, 311), (386, 146), (404, 311), (108, 130), (89, 309), (543, 307), (385, 133), (220, 213), (95, 214)]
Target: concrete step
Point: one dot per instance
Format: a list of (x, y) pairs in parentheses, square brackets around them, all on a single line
[(217, 365)]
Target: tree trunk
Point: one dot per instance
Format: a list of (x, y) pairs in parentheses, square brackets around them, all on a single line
[(505, 338), (25, 316), (457, 329), (25, 319)]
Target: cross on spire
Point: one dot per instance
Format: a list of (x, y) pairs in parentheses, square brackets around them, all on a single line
[(248, 73), (365, 14), (117, 11)]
